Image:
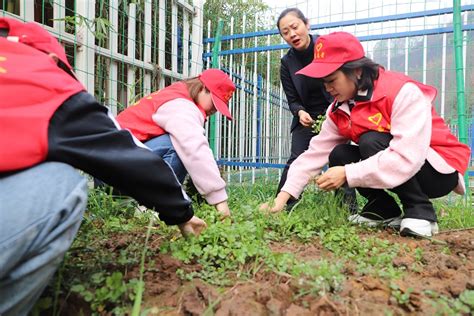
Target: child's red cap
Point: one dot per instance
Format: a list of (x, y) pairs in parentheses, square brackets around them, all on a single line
[(221, 88)]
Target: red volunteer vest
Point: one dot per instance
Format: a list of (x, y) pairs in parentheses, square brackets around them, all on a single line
[(137, 118), (376, 115), (32, 87)]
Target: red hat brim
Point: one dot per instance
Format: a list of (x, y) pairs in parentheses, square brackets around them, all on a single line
[(221, 106), (319, 70)]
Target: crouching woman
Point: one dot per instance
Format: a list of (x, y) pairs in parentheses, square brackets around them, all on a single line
[(402, 144)]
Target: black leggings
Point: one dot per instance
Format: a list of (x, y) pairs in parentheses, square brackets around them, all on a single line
[(300, 138), (414, 193)]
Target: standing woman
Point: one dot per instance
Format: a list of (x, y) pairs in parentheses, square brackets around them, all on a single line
[(404, 146), (306, 96)]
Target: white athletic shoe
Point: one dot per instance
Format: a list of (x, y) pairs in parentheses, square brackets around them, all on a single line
[(393, 222), (418, 227)]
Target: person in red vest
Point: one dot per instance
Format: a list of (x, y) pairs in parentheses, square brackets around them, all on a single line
[(49, 126), (171, 123), (402, 144)]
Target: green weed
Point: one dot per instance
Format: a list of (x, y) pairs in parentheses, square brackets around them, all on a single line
[(220, 249), (105, 209), (372, 255), (443, 305), (107, 292), (401, 297), (454, 212), (315, 277), (140, 285)]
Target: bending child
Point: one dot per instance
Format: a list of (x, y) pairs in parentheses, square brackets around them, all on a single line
[(171, 123)]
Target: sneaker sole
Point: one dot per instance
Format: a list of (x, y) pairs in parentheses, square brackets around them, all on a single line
[(407, 232), (393, 223)]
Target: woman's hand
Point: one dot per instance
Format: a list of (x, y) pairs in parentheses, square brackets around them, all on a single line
[(192, 227), (305, 119), (332, 179), (276, 205), (223, 209)]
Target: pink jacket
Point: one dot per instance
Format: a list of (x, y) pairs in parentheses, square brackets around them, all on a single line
[(183, 121), (407, 152)]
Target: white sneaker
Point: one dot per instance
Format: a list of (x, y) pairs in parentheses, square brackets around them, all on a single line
[(418, 227), (393, 222)]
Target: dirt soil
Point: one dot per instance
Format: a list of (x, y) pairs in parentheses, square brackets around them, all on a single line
[(446, 272), (271, 294)]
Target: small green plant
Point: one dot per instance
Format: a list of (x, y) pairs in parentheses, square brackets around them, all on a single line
[(401, 297), (107, 292), (446, 250), (318, 123), (102, 205), (467, 298), (315, 277), (140, 285), (342, 241), (372, 255), (223, 247), (318, 277), (419, 254), (456, 212), (443, 305)]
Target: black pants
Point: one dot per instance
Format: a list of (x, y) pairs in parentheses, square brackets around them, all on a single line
[(300, 138), (414, 194)]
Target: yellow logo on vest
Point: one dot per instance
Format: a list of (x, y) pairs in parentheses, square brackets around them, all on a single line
[(2, 70), (376, 118), (318, 53)]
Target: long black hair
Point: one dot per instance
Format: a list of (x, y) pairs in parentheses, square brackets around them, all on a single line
[(370, 72), (297, 12)]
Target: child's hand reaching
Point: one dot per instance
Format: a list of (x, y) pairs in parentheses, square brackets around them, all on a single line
[(192, 227)]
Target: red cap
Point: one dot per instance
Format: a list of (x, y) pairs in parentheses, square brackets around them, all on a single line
[(221, 88), (331, 52), (32, 34)]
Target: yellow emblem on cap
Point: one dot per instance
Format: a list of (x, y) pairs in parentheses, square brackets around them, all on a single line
[(2, 70), (319, 54), (228, 96)]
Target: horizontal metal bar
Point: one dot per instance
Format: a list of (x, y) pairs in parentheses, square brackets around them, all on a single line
[(249, 50), (250, 164), (441, 30), (222, 162)]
